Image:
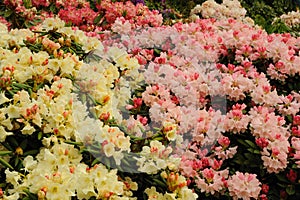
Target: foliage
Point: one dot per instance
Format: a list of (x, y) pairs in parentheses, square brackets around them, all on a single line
[(115, 105), (264, 12)]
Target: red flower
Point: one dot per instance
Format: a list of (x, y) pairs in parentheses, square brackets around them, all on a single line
[(292, 175)]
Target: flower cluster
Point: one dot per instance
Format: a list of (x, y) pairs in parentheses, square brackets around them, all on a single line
[(40, 85), (206, 109), (244, 186), (85, 15), (291, 19), (137, 15), (246, 60), (156, 157), (66, 176), (228, 9), (177, 184)]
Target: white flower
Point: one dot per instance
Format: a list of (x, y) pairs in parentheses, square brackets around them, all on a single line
[(186, 193), (3, 98), (28, 129), (4, 133), (14, 196), (52, 23), (109, 149), (12, 177), (29, 163), (3, 28), (57, 191), (13, 111)]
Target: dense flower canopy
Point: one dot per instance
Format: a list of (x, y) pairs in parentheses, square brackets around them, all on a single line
[(103, 100)]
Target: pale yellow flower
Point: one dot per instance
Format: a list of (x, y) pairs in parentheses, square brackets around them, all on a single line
[(23, 74), (14, 196), (52, 23), (3, 134), (3, 28), (13, 111), (3, 98), (7, 123), (109, 149), (170, 130), (92, 43), (29, 163), (28, 129)]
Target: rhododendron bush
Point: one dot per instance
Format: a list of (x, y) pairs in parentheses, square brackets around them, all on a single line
[(100, 100)]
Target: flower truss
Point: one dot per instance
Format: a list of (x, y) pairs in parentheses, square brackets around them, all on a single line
[(228, 9), (199, 110), (291, 19)]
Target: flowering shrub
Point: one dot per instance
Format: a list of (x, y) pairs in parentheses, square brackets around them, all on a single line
[(94, 16), (291, 20), (228, 9), (264, 12), (248, 75), (200, 110)]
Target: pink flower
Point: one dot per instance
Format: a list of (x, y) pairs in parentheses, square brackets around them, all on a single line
[(235, 120), (121, 26), (296, 143), (296, 131), (289, 106), (296, 120), (38, 3), (261, 142), (208, 174), (212, 181), (224, 141), (50, 45), (244, 186), (236, 85), (263, 94), (81, 16)]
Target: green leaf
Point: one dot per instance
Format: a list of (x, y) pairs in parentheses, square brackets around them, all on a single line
[(21, 86), (28, 24), (2, 185), (7, 146), (30, 195), (250, 150), (31, 152), (250, 156), (6, 164), (157, 51), (281, 178), (17, 160), (13, 141), (96, 161), (290, 190), (281, 185), (160, 183), (7, 13), (97, 19), (251, 144), (74, 143), (159, 138), (241, 141), (40, 135), (256, 152), (289, 118), (27, 4), (24, 143), (4, 153)]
